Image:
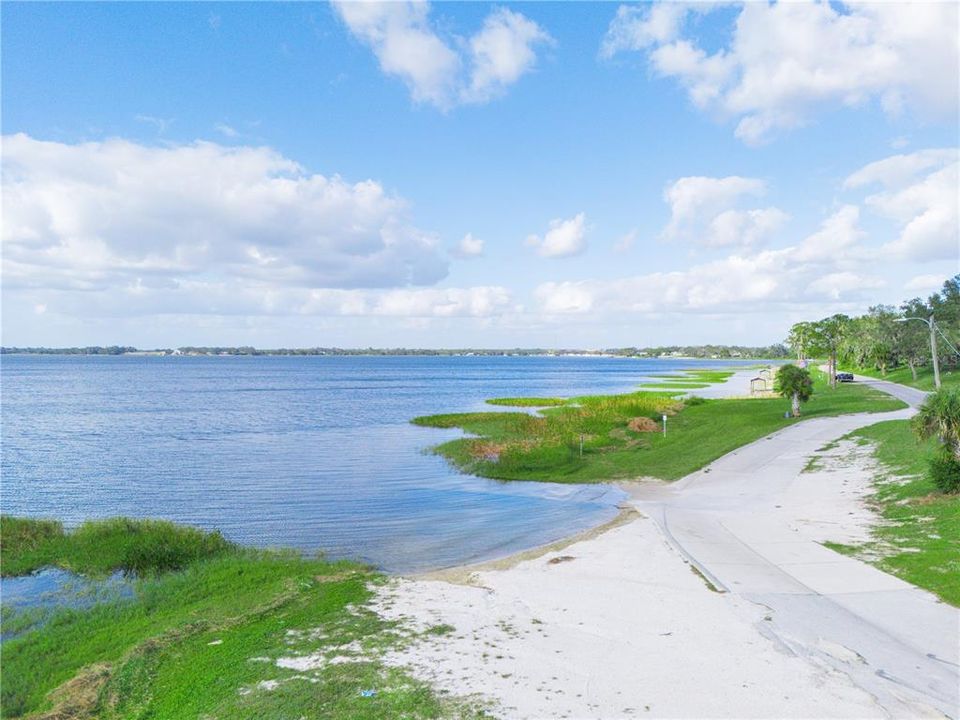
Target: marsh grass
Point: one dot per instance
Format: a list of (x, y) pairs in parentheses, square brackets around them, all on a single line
[(546, 446), (920, 538), (527, 401), (204, 640), (100, 547)]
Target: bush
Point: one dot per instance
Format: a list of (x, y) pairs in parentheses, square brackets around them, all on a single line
[(945, 473), (694, 400)]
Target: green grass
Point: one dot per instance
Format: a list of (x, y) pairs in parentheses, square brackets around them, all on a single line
[(924, 379), (198, 642), (99, 547), (668, 385), (920, 540), (546, 447), (527, 401)]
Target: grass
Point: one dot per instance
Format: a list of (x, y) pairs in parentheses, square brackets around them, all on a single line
[(527, 401), (669, 385), (924, 379), (99, 547), (546, 447), (920, 538), (204, 640)]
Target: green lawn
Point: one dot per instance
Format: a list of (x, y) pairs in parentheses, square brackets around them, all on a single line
[(920, 540), (203, 642), (546, 447), (924, 379)]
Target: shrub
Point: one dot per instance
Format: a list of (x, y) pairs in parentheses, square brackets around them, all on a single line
[(945, 473), (694, 400)]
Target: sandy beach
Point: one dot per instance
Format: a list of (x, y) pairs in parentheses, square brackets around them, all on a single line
[(716, 600)]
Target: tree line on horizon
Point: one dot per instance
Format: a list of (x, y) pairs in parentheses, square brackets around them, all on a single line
[(885, 337), (775, 351)]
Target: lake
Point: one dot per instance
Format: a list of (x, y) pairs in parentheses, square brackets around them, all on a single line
[(315, 453)]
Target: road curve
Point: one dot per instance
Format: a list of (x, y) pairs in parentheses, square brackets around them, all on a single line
[(892, 639)]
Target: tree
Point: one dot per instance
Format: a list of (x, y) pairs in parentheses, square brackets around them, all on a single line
[(794, 383), (826, 338), (799, 339), (939, 417), (913, 339)]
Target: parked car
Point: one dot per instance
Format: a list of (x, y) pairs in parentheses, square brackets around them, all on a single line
[(844, 377)]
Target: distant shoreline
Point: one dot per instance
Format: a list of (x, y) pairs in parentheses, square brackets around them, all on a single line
[(705, 352)]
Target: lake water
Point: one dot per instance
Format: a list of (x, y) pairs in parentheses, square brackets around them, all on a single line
[(310, 452)]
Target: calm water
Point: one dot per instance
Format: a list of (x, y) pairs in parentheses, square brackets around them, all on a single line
[(310, 452)]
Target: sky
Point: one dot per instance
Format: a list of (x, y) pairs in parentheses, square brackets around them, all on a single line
[(585, 175)]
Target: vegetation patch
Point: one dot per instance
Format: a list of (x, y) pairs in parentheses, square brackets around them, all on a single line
[(547, 446), (527, 401), (920, 540), (235, 634), (100, 547), (674, 386)]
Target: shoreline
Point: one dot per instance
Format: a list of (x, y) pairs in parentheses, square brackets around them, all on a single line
[(463, 574), (617, 620)]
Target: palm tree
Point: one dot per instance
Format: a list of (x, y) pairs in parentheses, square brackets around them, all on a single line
[(794, 383), (939, 417)]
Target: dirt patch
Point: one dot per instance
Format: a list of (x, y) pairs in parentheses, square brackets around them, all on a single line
[(560, 559), (643, 425), (485, 450), (77, 697)]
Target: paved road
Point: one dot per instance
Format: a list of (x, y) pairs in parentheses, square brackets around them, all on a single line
[(909, 395), (892, 639)]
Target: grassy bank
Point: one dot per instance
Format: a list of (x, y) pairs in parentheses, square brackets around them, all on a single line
[(208, 639), (920, 538), (547, 446), (924, 379)]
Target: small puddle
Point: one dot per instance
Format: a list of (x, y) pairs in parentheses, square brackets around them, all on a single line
[(29, 600)]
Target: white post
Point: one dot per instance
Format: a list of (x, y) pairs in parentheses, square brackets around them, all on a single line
[(664, 425)]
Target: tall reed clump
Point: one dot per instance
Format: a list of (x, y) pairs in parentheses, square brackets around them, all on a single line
[(97, 547)]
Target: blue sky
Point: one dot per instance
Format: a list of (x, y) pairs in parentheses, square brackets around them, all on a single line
[(470, 174)]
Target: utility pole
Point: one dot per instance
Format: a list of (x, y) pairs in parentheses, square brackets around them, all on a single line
[(933, 351), (932, 324)]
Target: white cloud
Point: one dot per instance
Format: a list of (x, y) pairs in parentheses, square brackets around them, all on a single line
[(625, 241), (501, 53), (920, 192), (438, 72), (924, 283), (469, 247), (160, 124), (103, 216), (226, 130), (786, 60), (704, 210), (835, 242), (828, 266), (563, 238)]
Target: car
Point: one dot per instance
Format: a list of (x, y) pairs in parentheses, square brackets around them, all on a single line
[(844, 377)]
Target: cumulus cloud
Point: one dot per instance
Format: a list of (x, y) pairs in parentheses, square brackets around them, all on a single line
[(919, 192), (563, 238), (924, 283), (438, 72), (95, 214), (826, 266), (784, 61), (469, 247), (704, 210)]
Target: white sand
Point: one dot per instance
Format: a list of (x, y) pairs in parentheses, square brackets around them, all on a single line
[(623, 629)]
